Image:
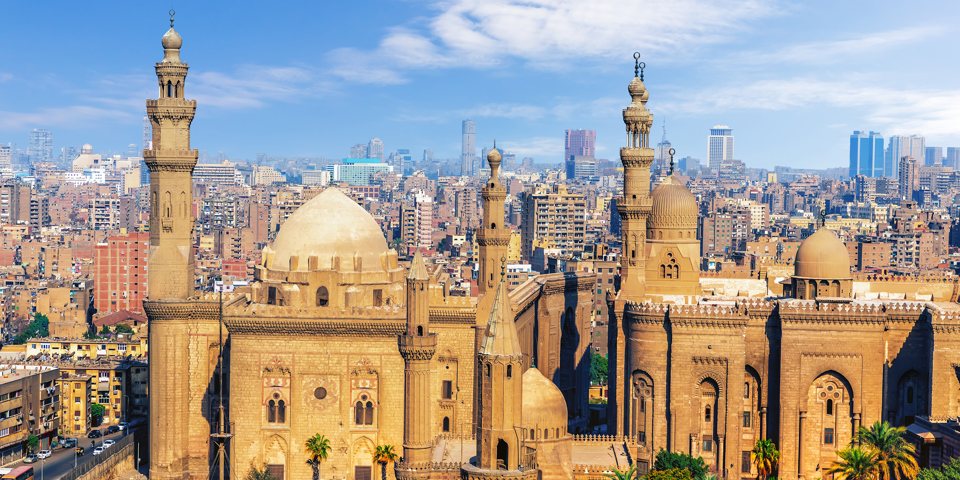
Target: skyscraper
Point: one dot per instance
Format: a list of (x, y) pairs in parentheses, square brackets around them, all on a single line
[(579, 142), (909, 177), (427, 155), (375, 149), (41, 145), (953, 158), (719, 146), (469, 150), (866, 154), (147, 132), (358, 151), (663, 151), (933, 156), (913, 146)]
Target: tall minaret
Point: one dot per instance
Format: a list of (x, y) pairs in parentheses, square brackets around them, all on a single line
[(493, 238), (500, 364), (417, 346), (171, 162), (634, 206)]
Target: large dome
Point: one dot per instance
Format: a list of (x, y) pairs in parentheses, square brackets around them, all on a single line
[(822, 256), (672, 206), (330, 224), (543, 404)]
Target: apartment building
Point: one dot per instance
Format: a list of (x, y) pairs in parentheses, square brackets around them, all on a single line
[(29, 404), (120, 273), (552, 218)]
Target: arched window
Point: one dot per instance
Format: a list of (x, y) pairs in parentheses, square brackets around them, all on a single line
[(358, 413), (419, 330), (271, 412), (909, 394), (446, 424), (531, 433), (706, 416), (829, 407), (281, 412), (509, 371), (493, 225), (488, 369), (169, 89), (166, 204), (746, 390), (368, 414), (322, 297), (662, 272)]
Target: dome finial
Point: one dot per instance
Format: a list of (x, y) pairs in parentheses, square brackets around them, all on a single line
[(638, 66), (172, 12), (823, 218), (671, 152)]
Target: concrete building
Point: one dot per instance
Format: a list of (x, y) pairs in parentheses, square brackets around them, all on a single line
[(112, 213), (120, 273), (41, 145), (224, 173), (416, 222), (357, 171), (552, 217), (375, 149), (14, 202), (909, 178), (468, 152), (719, 146), (579, 142), (866, 154), (29, 405)]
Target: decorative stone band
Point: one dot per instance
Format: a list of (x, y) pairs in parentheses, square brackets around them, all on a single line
[(170, 160), (173, 104), (177, 311), (496, 237), (636, 157), (633, 212), (453, 316), (170, 66), (300, 326), (493, 193), (414, 347)]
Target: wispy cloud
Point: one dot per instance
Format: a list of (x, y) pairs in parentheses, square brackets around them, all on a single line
[(550, 147), (832, 51), (255, 85), (68, 117), (931, 111), (5, 76)]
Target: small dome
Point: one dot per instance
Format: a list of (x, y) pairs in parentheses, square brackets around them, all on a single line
[(672, 206), (493, 156), (86, 148), (171, 39), (822, 256), (543, 403), (331, 223)]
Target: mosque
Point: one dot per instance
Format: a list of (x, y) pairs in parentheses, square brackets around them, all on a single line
[(335, 337)]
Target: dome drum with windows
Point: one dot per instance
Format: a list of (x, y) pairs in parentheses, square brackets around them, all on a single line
[(822, 268)]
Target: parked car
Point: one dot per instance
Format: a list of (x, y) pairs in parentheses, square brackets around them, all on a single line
[(107, 443), (112, 429), (44, 454), (30, 459), (94, 434), (123, 425), (98, 450), (79, 451), (69, 442)]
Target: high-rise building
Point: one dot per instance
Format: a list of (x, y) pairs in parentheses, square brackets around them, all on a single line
[(41, 145), (427, 155), (552, 218), (417, 222), (913, 146), (866, 154), (719, 146), (358, 151), (147, 142), (469, 147), (933, 156), (952, 160), (579, 142), (909, 177), (688, 165), (356, 171), (375, 149), (5, 157), (121, 273), (68, 155)]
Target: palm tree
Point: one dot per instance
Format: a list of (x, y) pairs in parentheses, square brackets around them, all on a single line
[(628, 474), (766, 458), (318, 447), (855, 463), (894, 453), (383, 456)]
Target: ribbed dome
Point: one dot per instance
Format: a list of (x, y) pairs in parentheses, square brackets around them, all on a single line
[(331, 223), (673, 206), (822, 256), (543, 404)]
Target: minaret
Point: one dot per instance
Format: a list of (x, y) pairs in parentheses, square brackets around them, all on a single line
[(171, 162), (493, 237), (417, 346), (500, 361), (634, 206)]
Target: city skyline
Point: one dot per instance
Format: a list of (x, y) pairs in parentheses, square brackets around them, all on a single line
[(772, 66)]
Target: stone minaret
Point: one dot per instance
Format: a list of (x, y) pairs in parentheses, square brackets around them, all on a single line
[(417, 347), (501, 392), (634, 206), (493, 238), (171, 260), (171, 274)]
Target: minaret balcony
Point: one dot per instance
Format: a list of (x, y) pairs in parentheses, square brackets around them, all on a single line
[(417, 347)]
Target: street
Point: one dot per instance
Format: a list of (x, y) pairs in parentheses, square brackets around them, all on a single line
[(63, 459)]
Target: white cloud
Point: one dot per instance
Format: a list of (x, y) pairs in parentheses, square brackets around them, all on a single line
[(5, 76), (823, 52), (69, 117), (543, 147), (896, 111), (255, 85)]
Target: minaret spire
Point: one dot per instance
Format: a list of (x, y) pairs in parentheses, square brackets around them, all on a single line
[(417, 346)]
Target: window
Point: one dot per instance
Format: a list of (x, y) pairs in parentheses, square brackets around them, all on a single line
[(745, 462), (746, 390), (746, 419), (488, 369), (446, 424), (708, 445), (828, 436), (641, 437), (122, 347), (281, 412), (829, 407), (509, 371), (363, 414), (706, 416), (76, 399), (271, 412), (322, 297), (909, 394), (377, 297), (447, 389)]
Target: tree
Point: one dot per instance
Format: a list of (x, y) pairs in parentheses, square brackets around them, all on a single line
[(318, 447), (766, 458), (122, 328), (38, 328), (855, 463), (31, 444), (948, 471), (675, 474), (105, 330), (628, 474), (259, 473), (894, 454), (598, 368), (384, 455), (97, 411), (671, 460)]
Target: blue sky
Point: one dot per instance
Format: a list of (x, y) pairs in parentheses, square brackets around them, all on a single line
[(793, 79)]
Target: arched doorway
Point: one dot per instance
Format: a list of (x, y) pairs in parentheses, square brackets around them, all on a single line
[(503, 455), (828, 424), (911, 397), (709, 412)]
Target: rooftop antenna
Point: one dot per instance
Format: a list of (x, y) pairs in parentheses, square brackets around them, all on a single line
[(664, 140)]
